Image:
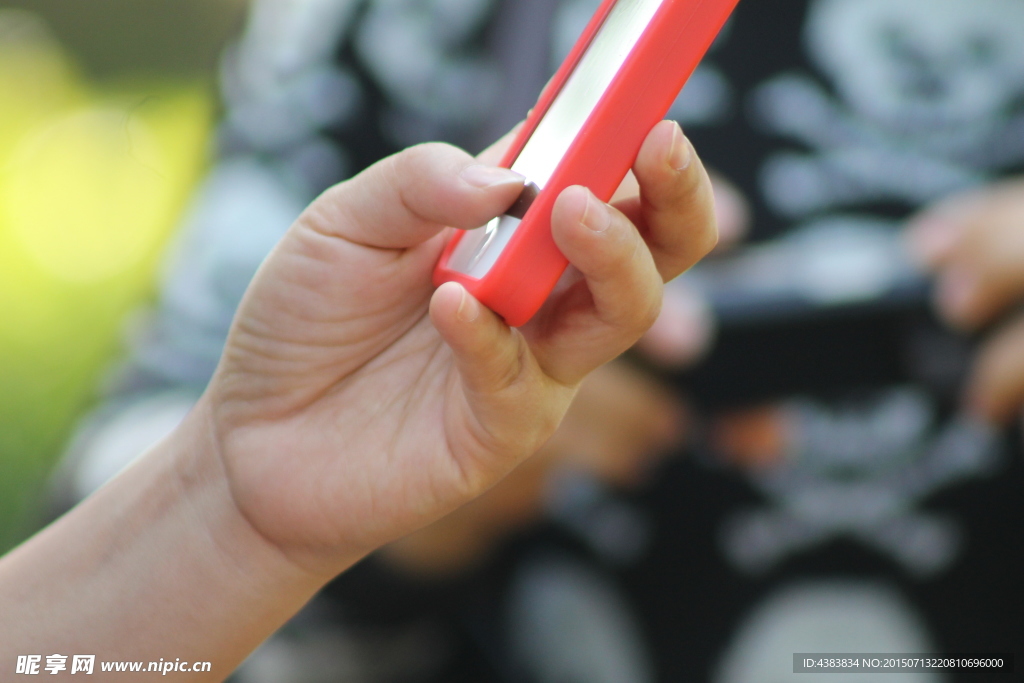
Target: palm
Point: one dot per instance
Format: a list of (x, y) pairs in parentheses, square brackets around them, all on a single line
[(361, 388), (353, 407)]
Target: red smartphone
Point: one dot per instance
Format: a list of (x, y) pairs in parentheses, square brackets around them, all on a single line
[(620, 79)]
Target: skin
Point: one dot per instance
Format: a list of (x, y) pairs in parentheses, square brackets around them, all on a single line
[(353, 406), (686, 328), (621, 421), (974, 243)]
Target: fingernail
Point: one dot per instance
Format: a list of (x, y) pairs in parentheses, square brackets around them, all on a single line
[(933, 239), (682, 152), (596, 216), (484, 177), (469, 308)]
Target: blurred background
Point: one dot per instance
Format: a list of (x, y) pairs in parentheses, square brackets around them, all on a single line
[(802, 479), (106, 113)]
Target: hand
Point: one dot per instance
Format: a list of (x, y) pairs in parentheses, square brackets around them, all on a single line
[(686, 328), (354, 405), (975, 244)]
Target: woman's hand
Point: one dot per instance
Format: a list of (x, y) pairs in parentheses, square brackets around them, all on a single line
[(354, 405), (975, 244)]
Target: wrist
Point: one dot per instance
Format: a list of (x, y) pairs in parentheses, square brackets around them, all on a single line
[(236, 523), (158, 563), (196, 457)]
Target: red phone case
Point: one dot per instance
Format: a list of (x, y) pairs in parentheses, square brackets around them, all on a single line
[(639, 96)]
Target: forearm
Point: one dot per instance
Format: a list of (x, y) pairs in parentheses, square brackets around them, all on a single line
[(157, 564)]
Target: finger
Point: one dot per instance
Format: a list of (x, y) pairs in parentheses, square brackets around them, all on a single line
[(676, 207), (499, 375), (617, 299), (732, 210), (996, 390), (489, 354), (486, 350), (407, 198)]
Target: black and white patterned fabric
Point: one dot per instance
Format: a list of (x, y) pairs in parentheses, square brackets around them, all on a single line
[(838, 119)]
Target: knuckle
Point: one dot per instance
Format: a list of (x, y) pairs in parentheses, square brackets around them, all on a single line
[(508, 373), (509, 369), (634, 250), (618, 255), (423, 160), (407, 160), (415, 176), (426, 151)]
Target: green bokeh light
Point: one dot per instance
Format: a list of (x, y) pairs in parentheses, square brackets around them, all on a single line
[(93, 179)]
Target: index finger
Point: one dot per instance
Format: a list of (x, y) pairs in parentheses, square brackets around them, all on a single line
[(407, 198)]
